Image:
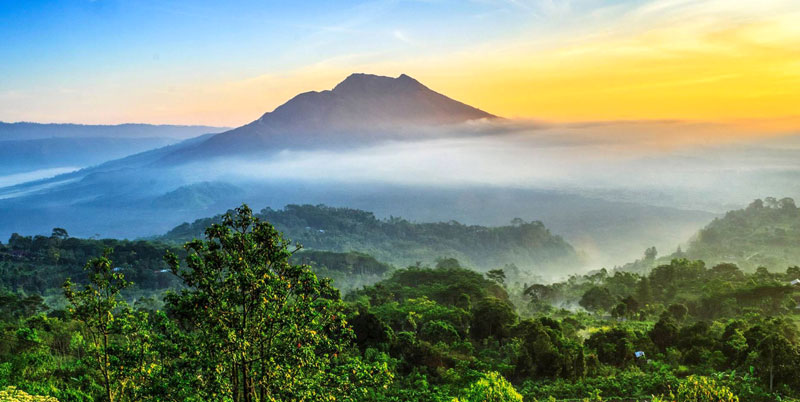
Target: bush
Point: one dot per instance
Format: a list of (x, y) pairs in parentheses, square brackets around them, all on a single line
[(12, 394), (700, 389), (491, 388)]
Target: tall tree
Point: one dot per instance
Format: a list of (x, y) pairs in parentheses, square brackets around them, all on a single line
[(97, 304), (265, 329)]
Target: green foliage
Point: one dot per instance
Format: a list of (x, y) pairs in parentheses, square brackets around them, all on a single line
[(704, 389), (597, 299), (108, 325), (614, 346), (763, 234), (40, 263), (249, 318), (348, 271), (262, 328), (12, 394), (492, 317), (492, 387), (402, 243)]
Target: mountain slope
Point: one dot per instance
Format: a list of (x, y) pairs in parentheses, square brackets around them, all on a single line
[(31, 131), (766, 233), (43, 190), (362, 108), (44, 153)]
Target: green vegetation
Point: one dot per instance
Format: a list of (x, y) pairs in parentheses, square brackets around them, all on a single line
[(244, 315), (765, 234), (527, 245)]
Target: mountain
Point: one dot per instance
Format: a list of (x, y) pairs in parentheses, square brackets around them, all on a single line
[(528, 245), (363, 108), (32, 131), (766, 233), (29, 147), (150, 192), (17, 156)]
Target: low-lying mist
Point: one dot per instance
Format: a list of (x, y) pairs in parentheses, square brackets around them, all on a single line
[(675, 164), (611, 189)]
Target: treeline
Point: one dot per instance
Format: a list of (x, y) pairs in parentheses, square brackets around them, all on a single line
[(528, 245), (721, 291), (248, 322), (38, 264)]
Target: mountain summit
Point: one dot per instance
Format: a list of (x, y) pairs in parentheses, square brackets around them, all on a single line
[(361, 109), (368, 102)]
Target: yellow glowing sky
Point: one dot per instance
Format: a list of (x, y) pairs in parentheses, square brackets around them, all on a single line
[(734, 62)]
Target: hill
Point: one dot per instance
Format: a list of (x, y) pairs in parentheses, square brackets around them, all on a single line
[(528, 245), (766, 233)]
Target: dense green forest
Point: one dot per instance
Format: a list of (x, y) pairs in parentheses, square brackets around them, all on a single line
[(246, 315), (39, 265), (766, 233), (527, 245)]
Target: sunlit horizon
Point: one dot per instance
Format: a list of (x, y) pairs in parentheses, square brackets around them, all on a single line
[(561, 62)]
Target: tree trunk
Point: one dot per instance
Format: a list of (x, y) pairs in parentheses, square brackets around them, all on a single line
[(235, 382), (106, 378), (771, 365)]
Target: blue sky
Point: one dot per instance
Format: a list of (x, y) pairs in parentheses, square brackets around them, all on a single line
[(204, 62)]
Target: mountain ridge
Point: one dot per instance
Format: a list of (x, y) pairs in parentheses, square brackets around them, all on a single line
[(362, 109), (25, 130)]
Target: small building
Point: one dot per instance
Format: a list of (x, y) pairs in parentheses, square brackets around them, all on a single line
[(795, 282)]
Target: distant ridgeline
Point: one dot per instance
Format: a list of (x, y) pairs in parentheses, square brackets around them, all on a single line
[(528, 245), (766, 233)]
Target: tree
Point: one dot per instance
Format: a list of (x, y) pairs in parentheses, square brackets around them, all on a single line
[(264, 329), (631, 304), (643, 292), (620, 310), (704, 389), (650, 254), (447, 263), (59, 233), (492, 317), (497, 275), (101, 310), (538, 292), (678, 311), (491, 387), (775, 355), (664, 333), (793, 272), (597, 298), (787, 204), (613, 346)]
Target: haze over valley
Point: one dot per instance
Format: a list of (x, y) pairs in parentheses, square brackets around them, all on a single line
[(424, 157), (386, 201)]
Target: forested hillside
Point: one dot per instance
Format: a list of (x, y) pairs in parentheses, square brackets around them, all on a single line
[(241, 321), (40, 264), (528, 245), (766, 233)]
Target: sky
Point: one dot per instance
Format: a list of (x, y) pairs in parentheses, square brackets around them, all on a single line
[(727, 62)]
